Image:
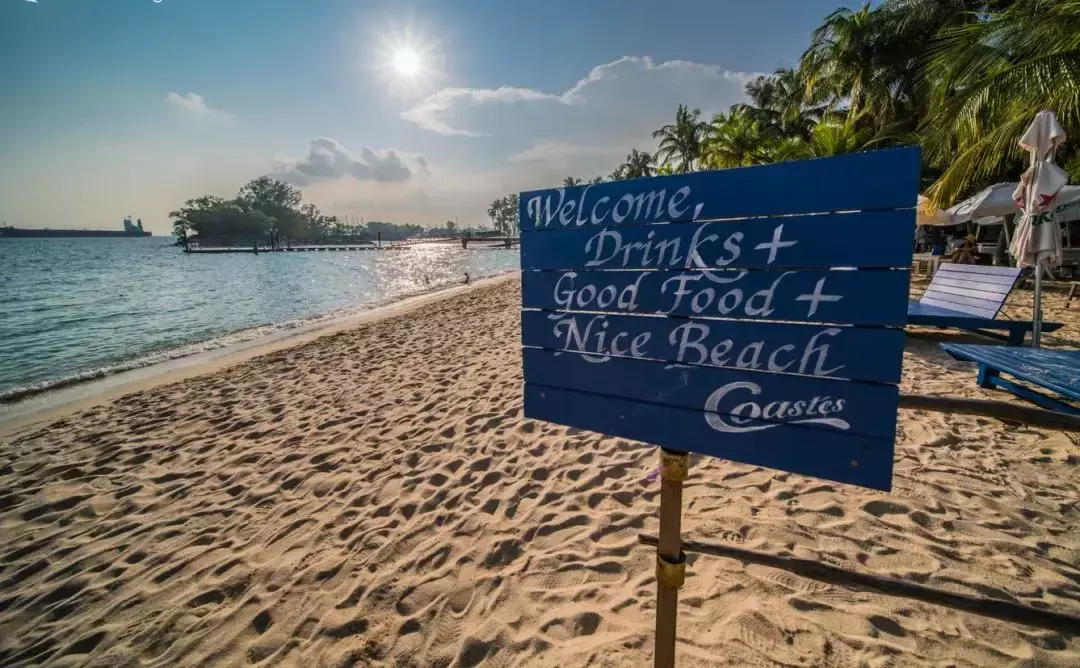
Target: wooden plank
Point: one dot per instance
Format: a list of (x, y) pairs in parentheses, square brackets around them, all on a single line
[(876, 297), (1038, 398), (867, 354), (836, 406), (802, 241), (839, 456), (972, 302), (991, 298), (886, 179), (1057, 370), (996, 272), (949, 270), (988, 288), (961, 308)]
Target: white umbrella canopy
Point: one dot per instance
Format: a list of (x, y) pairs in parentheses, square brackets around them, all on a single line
[(997, 200), (927, 214), (1037, 241)]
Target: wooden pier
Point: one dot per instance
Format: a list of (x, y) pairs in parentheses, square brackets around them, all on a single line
[(253, 250), (486, 242)]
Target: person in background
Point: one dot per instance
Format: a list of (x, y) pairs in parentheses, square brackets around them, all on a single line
[(965, 252), (466, 278)]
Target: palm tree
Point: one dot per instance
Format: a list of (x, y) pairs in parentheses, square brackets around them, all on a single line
[(837, 136), (571, 181), (842, 57), (597, 180), (788, 148), (781, 104), (638, 164), (680, 142), (988, 79), (734, 139)]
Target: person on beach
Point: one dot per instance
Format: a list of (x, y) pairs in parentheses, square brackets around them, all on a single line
[(965, 252), (466, 278)]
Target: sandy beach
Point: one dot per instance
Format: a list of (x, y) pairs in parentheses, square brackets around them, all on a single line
[(374, 496)]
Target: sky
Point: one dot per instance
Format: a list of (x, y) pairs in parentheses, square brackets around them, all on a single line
[(408, 112)]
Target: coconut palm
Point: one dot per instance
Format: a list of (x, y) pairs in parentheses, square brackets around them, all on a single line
[(680, 142), (988, 79), (571, 181), (734, 139), (788, 148), (842, 58), (638, 164), (836, 136), (781, 104)]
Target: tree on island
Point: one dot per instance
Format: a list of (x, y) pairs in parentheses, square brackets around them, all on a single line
[(270, 211), (503, 213)]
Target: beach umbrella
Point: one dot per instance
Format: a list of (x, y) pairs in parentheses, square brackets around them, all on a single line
[(1037, 242), (997, 200), (928, 214), (988, 207)]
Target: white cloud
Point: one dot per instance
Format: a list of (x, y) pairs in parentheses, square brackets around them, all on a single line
[(194, 103), (429, 114), (519, 139), (561, 151), (327, 160), (615, 96)]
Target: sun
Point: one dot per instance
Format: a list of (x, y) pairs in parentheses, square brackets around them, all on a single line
[(406, 62), (406, 59)]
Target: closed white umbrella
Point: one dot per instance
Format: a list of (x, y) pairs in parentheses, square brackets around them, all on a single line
[(1037, 242)]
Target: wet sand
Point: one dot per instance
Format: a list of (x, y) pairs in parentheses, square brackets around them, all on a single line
[(375, 497)]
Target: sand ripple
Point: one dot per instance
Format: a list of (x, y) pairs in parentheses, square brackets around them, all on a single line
[(376, 498)]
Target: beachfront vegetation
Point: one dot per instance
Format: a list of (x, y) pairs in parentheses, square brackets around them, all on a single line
[(270, 211), (962, 78), (503, 214)]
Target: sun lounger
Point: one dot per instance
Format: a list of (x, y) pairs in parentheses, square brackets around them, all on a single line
[(1055, 370), (969, 297)]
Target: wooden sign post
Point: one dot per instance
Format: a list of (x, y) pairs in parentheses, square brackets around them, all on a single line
[(754, 314)]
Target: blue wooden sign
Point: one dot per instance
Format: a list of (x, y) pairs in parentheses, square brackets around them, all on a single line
[(753, 314), (855, 182), (876, 297), (853, 353), (759, 243)]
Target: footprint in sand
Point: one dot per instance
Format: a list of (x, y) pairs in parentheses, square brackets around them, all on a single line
[(462, 594)]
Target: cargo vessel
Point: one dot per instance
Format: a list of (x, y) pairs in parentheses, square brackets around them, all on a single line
[(130, 230)]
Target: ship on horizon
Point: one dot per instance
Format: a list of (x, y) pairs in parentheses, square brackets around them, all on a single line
[(130, 230)]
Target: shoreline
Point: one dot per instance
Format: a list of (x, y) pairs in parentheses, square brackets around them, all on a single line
[(78, 394), (377, 496)]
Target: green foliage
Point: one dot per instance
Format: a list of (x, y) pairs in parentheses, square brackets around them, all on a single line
[(638, 164), (680, 142), (963, 78), (988, 79), (503, 213), (266, 210)]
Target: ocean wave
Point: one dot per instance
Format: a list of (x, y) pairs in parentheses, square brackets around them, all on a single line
[(221, 341)]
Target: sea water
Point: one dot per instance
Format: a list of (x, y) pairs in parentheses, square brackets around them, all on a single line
[(78, 309)]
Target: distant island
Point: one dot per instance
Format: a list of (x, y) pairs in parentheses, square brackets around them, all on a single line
[(130, 230)]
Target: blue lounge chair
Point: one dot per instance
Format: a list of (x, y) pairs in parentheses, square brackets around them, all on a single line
[(1056, 370), (969, 297)]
